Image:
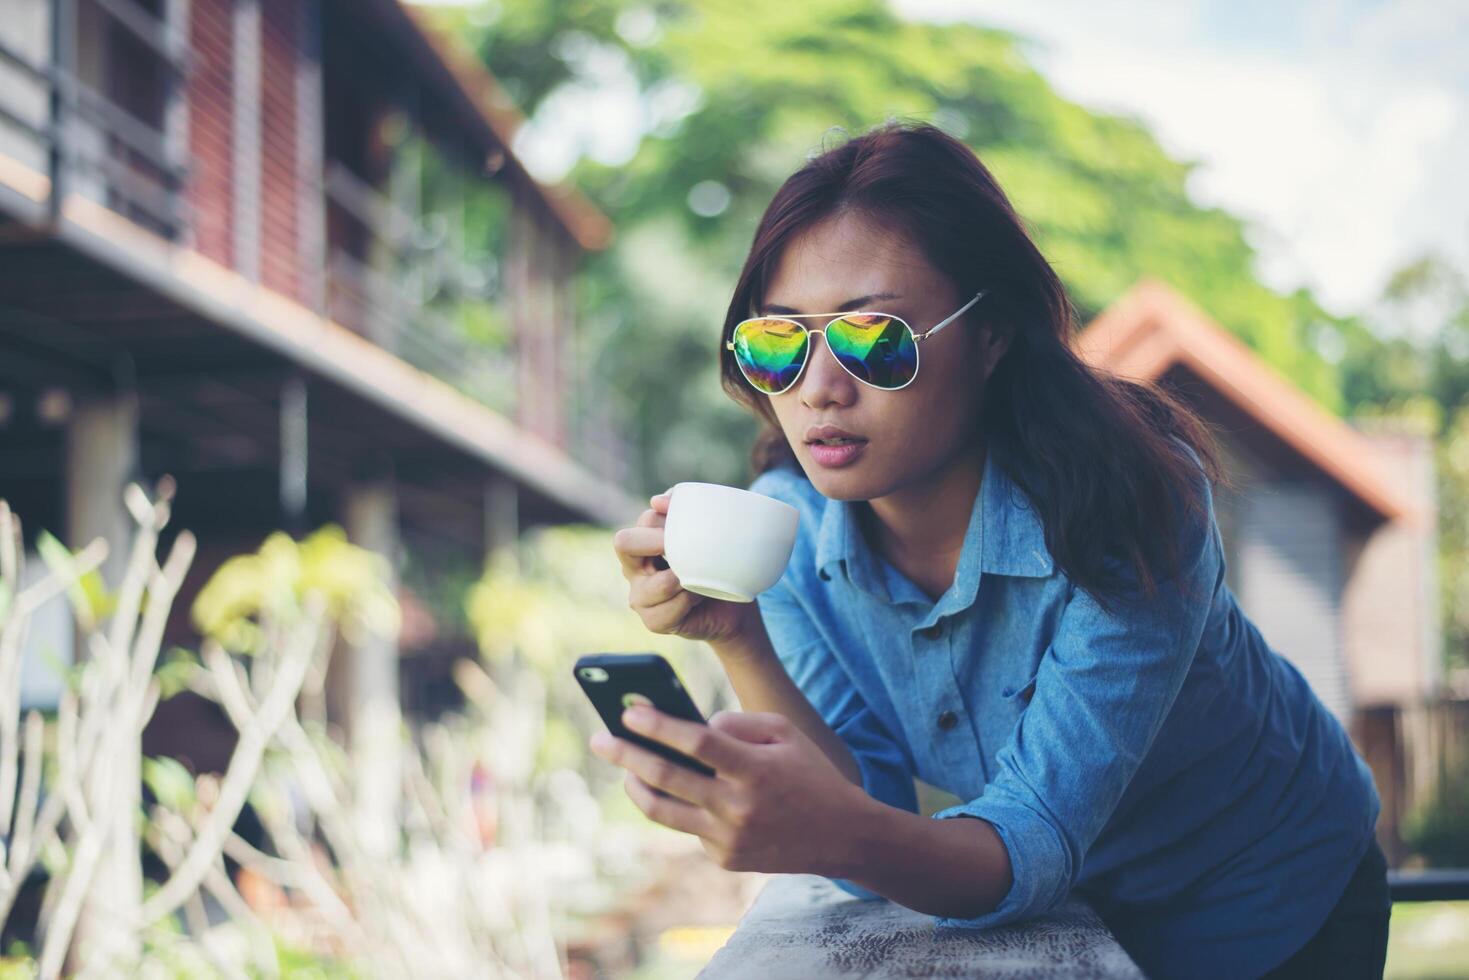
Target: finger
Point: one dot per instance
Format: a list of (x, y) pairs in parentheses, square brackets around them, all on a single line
[(667, 810), (659, 503), (667, 617), (652, 518), (668, 614), (649, 591), (758, 727), (638, 541), (635, 544), (692, 787), (694, 739)]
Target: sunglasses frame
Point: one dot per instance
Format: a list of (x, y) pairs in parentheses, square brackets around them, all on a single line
[(806, 358)]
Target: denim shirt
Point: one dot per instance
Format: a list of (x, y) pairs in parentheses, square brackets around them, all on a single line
[(1162, 758)]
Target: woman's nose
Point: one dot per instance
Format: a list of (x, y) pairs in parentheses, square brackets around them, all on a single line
[(825, 378)]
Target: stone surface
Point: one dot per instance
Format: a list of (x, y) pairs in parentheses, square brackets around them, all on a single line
[(802, 927)]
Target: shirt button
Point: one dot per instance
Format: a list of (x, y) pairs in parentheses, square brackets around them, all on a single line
[(948, 720)]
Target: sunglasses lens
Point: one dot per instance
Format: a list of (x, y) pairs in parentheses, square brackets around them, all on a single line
[(877, 348), (770, 352)]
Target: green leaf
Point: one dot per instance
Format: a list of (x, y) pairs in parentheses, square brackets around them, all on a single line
[(170, 782), (62, 563), (69, 673), (174, 673)]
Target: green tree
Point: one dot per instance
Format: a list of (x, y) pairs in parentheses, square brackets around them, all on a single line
[(754, 87), (1414, 361), (1453, 531)]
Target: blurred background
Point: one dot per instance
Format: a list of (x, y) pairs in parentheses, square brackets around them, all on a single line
[(391, 314)]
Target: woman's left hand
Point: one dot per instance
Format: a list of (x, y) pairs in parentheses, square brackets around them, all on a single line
[(776, 803)]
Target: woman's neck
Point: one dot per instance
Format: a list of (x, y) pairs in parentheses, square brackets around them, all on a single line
[(921, 527)]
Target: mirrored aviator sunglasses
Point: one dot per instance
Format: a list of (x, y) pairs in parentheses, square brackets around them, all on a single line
[(878, 349)]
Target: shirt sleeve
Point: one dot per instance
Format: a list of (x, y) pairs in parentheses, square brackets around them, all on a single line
[(887, 775), (1104, 686)]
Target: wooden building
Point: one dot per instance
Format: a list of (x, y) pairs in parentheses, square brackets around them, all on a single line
[(1329, 532), (246, 243)]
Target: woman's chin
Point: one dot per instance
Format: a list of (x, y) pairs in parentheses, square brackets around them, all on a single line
[(841, 484)]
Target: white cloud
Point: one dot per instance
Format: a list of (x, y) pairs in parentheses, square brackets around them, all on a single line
[(1326, 188), (1342, 137)]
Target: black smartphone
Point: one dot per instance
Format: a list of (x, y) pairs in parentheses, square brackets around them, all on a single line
[(616, 681)]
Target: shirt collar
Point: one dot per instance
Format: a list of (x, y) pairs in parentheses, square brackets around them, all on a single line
[(1004, 536)]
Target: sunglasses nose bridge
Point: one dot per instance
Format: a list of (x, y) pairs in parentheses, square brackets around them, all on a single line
[(811, 334)]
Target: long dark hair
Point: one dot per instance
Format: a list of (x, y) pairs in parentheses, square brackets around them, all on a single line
[(1102, 458)]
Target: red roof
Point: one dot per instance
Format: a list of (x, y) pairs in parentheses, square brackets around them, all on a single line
[(1152, 328)]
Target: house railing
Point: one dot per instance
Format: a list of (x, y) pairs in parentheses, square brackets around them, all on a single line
[(1433, 885), (394, 310), (84, 143), (598, 438), (89, 144)]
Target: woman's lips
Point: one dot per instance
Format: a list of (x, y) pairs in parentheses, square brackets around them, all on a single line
[(833, 457)]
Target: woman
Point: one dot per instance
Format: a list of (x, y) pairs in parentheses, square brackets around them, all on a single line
[(1008, 582)]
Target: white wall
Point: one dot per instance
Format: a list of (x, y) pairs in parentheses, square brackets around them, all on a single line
[(1290, 557)]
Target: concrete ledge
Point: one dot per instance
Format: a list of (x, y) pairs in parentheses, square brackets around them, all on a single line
[(802, 927)]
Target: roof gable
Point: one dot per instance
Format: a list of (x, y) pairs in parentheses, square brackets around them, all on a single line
[(1152, 327)]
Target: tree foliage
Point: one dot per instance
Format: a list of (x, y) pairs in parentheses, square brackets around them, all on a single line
[(1419, 368), (754, 88), (735, 96)]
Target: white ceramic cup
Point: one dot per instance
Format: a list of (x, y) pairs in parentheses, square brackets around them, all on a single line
[(725, 542)]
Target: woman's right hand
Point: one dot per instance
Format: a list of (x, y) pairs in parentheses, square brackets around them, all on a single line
[(656, 595)]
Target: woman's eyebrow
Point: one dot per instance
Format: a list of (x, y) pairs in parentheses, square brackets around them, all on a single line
[(851, 304)]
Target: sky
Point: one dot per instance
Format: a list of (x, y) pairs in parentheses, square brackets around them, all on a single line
[(1337, 129)]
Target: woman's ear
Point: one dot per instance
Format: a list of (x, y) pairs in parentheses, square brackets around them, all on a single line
[(994, 340)]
